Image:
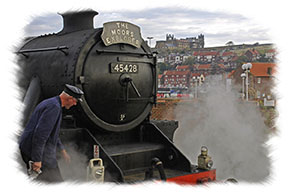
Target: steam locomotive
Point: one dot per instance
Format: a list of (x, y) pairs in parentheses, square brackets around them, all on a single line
[(116, 69)]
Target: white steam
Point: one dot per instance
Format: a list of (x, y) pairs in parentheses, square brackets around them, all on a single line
[(233, 131), (76, 170)]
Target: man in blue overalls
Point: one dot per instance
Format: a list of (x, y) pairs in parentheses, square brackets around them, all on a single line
[(40, 138)]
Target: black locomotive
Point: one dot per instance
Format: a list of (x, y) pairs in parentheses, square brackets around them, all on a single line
[(117, 72)]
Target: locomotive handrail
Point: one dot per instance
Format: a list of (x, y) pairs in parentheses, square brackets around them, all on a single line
[(59, 48), (150, 100), (121, 52), (134, 60)]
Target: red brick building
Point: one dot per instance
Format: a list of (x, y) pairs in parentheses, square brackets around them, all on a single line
[(183, 68), (261, 79), (203, 68), (176, 79)]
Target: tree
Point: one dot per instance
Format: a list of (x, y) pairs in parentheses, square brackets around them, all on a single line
[(189, 61), (230, 43), (162, 67), (242, 59), (262, 58)]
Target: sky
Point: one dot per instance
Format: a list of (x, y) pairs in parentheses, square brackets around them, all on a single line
[(234, 21), (218, 27)]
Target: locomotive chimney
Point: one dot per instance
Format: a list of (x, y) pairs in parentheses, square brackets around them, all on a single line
[(78, 20)]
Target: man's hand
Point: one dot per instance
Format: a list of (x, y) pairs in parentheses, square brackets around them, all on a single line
[(37, 166), (66, 156)]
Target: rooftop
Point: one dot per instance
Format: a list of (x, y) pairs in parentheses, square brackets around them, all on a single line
[(262, 69)]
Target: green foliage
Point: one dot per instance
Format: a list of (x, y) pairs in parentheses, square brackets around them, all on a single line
[(242, 59), (189, 61), (262, 58), (163, 66)]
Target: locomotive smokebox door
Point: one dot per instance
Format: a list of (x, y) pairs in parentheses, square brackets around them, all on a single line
[(121, 77)]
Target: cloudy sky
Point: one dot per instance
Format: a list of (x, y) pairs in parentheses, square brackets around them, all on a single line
[(217, 27)]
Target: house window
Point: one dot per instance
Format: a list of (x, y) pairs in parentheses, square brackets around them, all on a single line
[(269, 71), (258, 80)]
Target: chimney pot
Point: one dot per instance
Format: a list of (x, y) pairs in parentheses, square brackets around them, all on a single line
[(78, 20)]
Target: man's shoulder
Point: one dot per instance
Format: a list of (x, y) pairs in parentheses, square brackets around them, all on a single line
[(50, 102)]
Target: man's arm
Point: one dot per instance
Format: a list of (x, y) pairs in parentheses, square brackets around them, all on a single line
[(63, 151), (66, 156), (43, 130)]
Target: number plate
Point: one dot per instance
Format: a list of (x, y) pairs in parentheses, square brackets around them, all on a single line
[(121, 67)]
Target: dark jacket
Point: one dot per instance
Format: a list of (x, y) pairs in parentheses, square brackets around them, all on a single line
[(41, 135)]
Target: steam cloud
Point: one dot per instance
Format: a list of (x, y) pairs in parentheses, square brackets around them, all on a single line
[(233, 131), (76, 170)]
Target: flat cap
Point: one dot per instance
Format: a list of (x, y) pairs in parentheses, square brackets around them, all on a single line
[(73, 91)]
